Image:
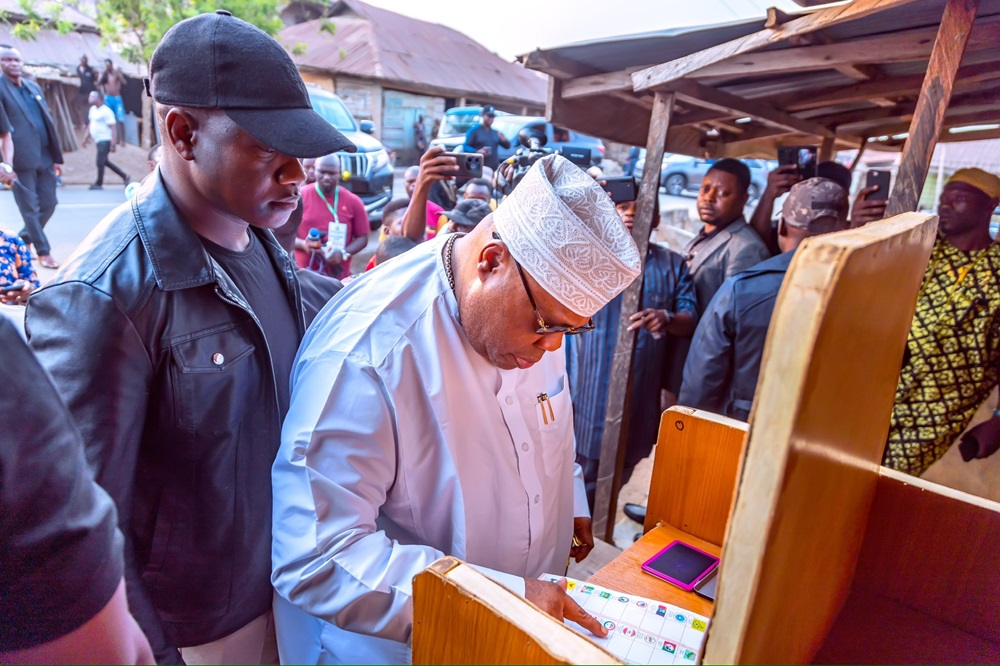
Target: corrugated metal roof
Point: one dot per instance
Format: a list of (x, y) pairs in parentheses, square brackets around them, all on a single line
[(50, 49), (374, 43)]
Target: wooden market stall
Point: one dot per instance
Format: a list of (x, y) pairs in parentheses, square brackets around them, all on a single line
[(825, 555), (881, 73)]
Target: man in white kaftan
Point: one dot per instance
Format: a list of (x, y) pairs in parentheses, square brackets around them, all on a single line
[(426, 420)]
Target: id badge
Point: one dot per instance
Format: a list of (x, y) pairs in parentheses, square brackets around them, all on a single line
[(337, 236)]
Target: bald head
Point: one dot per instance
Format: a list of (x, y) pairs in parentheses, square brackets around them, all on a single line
[(10, 63), (410, 179), (328, 173)]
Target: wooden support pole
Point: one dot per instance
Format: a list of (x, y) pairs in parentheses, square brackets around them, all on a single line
[(949, 46), (826, 149), (861, 151), (619, 387)]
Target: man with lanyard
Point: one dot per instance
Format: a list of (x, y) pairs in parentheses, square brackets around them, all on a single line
[(952, 359), (428, 420), (339, 215), (482, 138)]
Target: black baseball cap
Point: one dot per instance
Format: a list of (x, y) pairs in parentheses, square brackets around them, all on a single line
[(488, 110), (217, 61), (469, 213)]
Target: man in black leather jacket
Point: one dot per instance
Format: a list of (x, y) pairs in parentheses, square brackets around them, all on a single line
[(172, 331)]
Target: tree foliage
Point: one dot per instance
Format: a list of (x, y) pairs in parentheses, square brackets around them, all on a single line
[(134, 27), (30, 18)]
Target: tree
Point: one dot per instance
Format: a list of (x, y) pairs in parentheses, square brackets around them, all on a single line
[(29, 18), (135, 27)]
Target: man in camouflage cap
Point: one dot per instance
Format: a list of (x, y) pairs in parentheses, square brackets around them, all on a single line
[(721, 371)]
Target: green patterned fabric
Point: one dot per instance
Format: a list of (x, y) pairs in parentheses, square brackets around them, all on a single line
[(952, 356)]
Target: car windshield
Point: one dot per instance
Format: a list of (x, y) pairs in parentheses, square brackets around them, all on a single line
[(457, 124), (333, 111)]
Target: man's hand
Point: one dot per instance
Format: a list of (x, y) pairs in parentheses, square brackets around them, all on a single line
[(485, 150), (58, 169), (552, 598), (503, 139), (864, 211), (434, 166), (981, 441), (653, 320), (86, 142), (584, 533), (335, 257), (7, 178), (19, 297), (781, 180)]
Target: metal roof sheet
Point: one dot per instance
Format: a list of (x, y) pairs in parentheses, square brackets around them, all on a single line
[(373, 43)]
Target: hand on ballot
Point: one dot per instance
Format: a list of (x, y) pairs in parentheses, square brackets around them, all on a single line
[(552, 598)]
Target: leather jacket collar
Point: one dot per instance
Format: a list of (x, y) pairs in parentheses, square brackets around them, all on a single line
[(178, 257)]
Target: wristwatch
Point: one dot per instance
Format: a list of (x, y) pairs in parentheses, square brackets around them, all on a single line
[(6, 167), (346, 255)]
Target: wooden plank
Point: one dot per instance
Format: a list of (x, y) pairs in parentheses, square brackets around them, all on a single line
[(620, 383), (903, 46), (462, 617), (895, 86), (950, 120), (776, 17), (693, 484), (857, 158), (817, 434), (625, 574), (932, 548), (658, 75), (692, 92), (584, 86), (949, 46)]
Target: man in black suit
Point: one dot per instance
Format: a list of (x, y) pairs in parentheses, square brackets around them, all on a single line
[(36, 157)]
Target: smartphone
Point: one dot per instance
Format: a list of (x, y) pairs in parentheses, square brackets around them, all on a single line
[(15, 286), (470, 165), (621, 188), (681, 565), (803, 157), (706, 586), (880, 178)]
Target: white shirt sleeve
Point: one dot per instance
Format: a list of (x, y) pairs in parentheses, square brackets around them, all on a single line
[(334, 469)]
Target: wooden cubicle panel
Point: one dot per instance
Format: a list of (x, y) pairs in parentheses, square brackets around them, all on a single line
[(694, 472), (462, 617), (925, 589), (816, 439)]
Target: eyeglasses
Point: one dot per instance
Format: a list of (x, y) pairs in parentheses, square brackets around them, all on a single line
[(543, 328)]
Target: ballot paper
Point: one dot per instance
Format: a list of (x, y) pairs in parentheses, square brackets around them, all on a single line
[(640, 630)]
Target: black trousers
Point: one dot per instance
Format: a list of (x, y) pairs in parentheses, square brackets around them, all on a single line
[(36, 205), (103, 148)]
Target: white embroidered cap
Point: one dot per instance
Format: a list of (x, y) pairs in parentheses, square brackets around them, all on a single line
[(563, 229)]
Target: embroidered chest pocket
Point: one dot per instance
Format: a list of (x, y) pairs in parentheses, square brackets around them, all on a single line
[(554, 414)]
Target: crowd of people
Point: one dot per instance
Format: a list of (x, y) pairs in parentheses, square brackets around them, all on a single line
[(239, 451)]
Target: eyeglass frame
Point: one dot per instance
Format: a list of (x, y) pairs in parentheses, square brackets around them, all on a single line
[(543, 328)]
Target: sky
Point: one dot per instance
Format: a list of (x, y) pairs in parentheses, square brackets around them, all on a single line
[(513, 27)]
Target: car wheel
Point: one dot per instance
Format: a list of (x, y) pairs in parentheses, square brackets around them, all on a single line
[(675, 185), (753, 192)]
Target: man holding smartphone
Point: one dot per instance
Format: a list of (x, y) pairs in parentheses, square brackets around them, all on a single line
[(482, 138)]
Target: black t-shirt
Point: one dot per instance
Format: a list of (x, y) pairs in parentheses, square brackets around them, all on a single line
[(86, 75), (257, 278), (60, 550)]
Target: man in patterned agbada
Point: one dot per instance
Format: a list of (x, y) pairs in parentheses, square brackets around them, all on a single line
[(952, 357)]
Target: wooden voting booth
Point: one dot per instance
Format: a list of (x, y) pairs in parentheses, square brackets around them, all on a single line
[(826, 555)]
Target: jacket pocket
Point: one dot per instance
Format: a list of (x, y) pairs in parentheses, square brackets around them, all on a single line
[(214, 379)]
